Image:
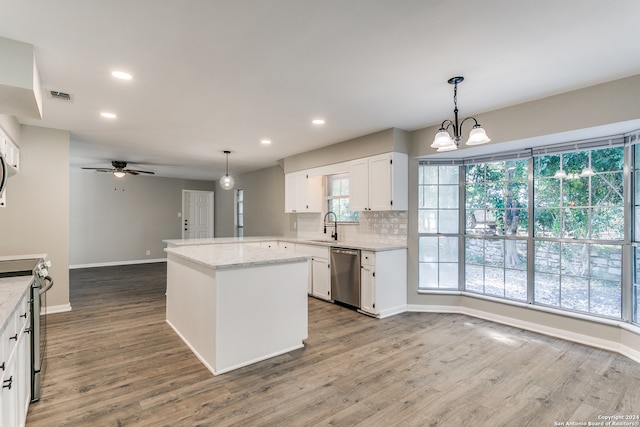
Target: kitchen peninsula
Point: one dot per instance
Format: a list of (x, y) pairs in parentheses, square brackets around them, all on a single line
[(236, 304)]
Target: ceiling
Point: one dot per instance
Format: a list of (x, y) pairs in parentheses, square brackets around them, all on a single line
[(214, 75)]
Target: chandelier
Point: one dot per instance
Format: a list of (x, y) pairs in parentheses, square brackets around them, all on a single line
[(443, 140)]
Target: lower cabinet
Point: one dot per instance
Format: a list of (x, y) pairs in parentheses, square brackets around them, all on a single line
[(320, 278), (383, 282), (15, 362)]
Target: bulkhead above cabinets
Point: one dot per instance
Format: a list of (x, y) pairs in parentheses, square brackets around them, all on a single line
[(376, 183)]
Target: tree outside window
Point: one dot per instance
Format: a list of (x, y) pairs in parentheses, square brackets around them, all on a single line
[(337, 195)]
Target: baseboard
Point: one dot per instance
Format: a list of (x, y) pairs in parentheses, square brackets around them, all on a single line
[(114, 263), (392, 311), (568, 335), (56, 309)]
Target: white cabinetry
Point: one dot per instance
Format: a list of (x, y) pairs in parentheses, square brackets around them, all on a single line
[(320, 284), (302, 193), (11, 153), (383, 281), (379, 183), (287, 246), (15, 353)]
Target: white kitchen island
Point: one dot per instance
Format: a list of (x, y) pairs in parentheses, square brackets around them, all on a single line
[(236, 304)]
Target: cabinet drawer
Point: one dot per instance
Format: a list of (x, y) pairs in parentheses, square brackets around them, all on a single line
[(313, 250), (368, 258)]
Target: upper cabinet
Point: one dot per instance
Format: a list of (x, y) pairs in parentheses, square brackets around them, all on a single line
[(11, 153), (302, 193), (379, 183)]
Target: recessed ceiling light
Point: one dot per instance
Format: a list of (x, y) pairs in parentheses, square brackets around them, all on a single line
[(265, 141), (318, 121), (108, 115), (121, 75)]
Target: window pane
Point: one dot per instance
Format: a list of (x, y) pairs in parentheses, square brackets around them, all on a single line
[(494, 252), (547, 192), (448, 247), (474, 278), (448, 275), (547, 222), (575, 293), (494, 281), (428, 249), (515, 284), (474, 251), (575, 259), (448, 221), (515, 254), (606, 298), (607, 223), (449, 175), (547, 257), (448, 197), (429, 196), (547, 289), (427, 221), (606, 262), (428, 275)]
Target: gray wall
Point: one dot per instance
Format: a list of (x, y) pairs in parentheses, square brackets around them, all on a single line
[(36, 219), (263, 205), (109, 225)]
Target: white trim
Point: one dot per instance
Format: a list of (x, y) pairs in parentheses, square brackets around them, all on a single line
[(609, 345), (114, 263), (55, 309)]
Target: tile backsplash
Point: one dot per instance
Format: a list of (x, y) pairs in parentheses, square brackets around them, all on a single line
[(378, 226)]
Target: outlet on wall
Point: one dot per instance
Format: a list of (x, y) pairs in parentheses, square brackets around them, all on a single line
[(148, 252)]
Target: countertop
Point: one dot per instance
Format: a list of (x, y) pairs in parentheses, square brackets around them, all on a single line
[(11, 290), (233, 255), (362, 245)]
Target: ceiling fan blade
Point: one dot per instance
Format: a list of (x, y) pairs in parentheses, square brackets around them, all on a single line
[(130, 172), (137, 171), (100, 169)]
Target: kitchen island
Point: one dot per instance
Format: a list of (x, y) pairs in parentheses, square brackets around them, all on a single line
[(236, 304)]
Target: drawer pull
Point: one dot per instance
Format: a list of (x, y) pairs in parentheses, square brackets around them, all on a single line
[(24, 316), (15, 337), (8, 383)]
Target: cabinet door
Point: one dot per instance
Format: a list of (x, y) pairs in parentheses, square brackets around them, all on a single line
[(9, 394), (314, 196), (380, 193), (290, 192), (321, 278), (359, 185), (367, 289)]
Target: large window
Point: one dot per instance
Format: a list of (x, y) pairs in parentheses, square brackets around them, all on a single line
[(337, 196), (438, 212), (547, 228)]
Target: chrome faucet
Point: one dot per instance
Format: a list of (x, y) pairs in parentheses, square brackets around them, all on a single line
[(334, 235)]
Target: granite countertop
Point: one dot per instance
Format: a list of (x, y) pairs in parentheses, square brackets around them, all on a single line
[(362, 245), (11, 290), (233, 255)]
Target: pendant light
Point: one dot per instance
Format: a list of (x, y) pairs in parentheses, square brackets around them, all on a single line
[(227, 182), (443, 140)]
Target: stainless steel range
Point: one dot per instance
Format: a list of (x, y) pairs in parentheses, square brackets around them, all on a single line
[(42, 282)]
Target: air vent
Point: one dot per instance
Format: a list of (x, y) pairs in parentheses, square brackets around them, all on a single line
[(62, 96)]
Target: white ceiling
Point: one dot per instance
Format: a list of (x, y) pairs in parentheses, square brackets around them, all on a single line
[(214, 75)]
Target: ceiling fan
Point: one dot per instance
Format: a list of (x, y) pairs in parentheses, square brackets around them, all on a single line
[(119, 169)]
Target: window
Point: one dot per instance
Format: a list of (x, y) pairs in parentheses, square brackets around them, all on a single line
[(337, 195), (546, 228), (239, 213), (496, 228), (438, 212)]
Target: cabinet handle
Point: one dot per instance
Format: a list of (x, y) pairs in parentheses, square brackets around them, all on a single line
[(2, 366), (15, 337), (7, 383), (27, 331), (24, 315)]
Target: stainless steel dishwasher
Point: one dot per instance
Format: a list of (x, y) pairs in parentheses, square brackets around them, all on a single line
[(345, 276)]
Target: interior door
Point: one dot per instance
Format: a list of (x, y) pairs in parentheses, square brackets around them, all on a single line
[(197, 214)]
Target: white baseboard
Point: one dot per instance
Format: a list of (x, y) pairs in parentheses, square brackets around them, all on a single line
[(56, 309), (114, 263), (609, 345)]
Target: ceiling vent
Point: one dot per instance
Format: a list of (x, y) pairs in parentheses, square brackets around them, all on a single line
[(61, 96)]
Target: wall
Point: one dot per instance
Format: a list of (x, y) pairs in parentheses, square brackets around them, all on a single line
[(109, 225), (263, 205), (586, 108), (36, 219), (369, 145)]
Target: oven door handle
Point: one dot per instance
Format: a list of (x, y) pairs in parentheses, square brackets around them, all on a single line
[(49, 281)]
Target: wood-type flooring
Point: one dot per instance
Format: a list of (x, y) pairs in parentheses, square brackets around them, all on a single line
[(113, 361)]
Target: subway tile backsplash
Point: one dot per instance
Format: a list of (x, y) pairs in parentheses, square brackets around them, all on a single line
[(377, 226)]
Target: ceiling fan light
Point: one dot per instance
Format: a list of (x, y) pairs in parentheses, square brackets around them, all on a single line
[(227, 182), (477, 136), (442, 139), (119, 174)]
